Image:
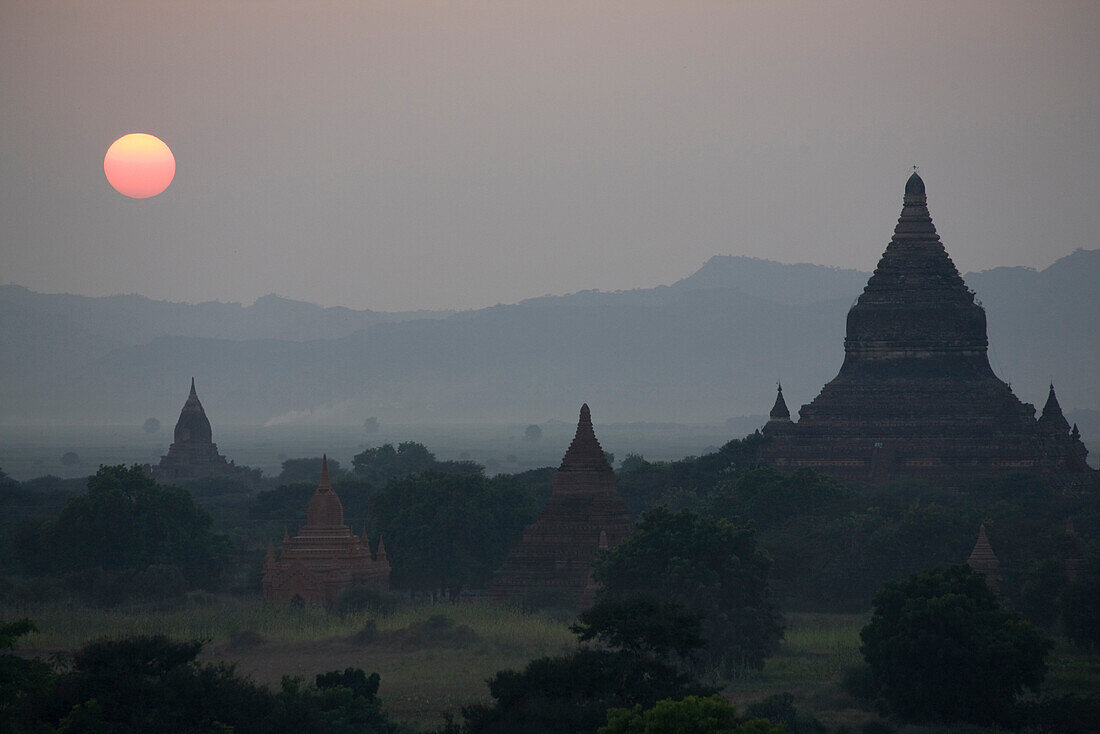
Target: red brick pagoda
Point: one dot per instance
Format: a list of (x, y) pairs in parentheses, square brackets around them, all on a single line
[(915, 395), (584, 513), (324, 558)]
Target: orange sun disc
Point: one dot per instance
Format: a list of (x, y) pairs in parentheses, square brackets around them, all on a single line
[(139, 165)]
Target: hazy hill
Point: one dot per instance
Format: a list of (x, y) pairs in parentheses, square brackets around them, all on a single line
[(707, 347)]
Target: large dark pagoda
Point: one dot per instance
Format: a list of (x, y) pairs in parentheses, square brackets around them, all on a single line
[(584, 513), (193, 452), (915, 394)]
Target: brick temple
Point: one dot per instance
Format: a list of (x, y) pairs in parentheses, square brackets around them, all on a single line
[(584, 514), (324, 557), (915, 395), (193, 452)]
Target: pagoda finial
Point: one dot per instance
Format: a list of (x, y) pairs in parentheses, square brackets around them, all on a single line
[(381, 554), (324, 483), (192, 385)]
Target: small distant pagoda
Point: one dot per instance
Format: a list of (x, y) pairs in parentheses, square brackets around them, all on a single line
[(324, 557), (915, 395), (983, 560), (193, 453), (584, 514)]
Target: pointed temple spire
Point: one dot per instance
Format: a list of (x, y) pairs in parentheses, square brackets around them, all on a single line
[(583, 514), (915, 276), (193, 452), (585, 452), (983, 560), (324, 557), (779, 410), (1052, 418), (193, 426), (325, 508), (380, 555), (324, 485)]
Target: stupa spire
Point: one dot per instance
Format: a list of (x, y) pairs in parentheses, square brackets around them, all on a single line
[(779, 410), (325, 508), (983, 560), (585, 452), (1052, 418), (324, 485), (193, 426), (916, 282)]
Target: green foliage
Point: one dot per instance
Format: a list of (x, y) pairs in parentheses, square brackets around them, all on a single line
[(940, 647), (447, 531), (150, 683), (779, 709), (126, 522), (691, 715), (1081, 612), (573, 693), (641, 626), (19, 678), (685, 483), (378, 465), (833, 546), (307, 471), (711, 568), (1067, 714)]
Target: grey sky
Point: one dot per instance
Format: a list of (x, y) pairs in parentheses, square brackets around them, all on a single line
[(401, 154)]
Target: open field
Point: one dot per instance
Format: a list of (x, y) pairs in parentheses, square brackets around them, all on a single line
[(430, 667)]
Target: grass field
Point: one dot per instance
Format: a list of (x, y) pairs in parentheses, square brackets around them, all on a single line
[(430, 667)]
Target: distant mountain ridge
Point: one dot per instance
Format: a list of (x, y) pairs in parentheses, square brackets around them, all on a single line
[(707, 347)]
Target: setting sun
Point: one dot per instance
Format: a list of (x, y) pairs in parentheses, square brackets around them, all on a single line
[(139, 165)]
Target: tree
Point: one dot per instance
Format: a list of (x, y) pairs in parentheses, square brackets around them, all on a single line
[(641, 626), (532, 432), (150, 683), (69, 458), (1081, 612), (447, 531), (20, 678), (940, 647), (570, 694), (691, 715), (128, 522), (150, 426), (307, 471), (711, 568), (371, 426), (383, 463)]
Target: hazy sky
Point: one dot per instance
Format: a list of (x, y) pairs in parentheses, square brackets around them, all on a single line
[(401, 154)]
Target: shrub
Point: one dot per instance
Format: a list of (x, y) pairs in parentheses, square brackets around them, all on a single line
[(942, 648)]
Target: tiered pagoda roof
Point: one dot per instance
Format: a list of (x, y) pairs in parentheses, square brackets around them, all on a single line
[(584, 513), (193, 452), (324, 557), (915, 394)]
